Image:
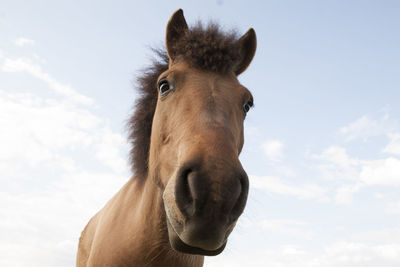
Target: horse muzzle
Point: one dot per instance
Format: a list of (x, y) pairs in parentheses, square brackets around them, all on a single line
[(202, 207)]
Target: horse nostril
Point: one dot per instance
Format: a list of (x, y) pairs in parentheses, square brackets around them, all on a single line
[(183, 193), (242, 199), (196, 194)]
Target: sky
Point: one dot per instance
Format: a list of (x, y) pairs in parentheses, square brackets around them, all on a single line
[(322, 145)]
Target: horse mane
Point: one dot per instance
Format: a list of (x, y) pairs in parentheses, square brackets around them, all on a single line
[(204, 47)]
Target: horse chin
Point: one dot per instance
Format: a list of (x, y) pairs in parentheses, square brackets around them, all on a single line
[(180, 246)]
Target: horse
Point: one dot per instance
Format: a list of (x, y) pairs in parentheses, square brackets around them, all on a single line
[(188, 187)]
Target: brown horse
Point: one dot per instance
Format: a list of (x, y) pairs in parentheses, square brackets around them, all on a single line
[(189, 187)]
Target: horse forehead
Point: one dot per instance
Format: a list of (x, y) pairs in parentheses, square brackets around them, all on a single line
[(213, 99), (195, 77), (212, 86)]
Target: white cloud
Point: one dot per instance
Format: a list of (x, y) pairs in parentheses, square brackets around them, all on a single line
[(394, 145), (273, 149), (24, 41), (108, 150), (40, 130), (338, 156), (274, 185), (291, 228), (384, 171), (361, 128), (26, 65), (338, 254), (360, 254), (365, 128), (37, 127), (337, 165), (284, 256), (393, 208), (345, 193), (383, 236), (381, 172)]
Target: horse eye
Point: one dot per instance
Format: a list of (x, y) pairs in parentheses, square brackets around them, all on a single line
[(247, 106), (164, 87)]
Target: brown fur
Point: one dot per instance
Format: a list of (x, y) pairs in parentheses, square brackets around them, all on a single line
[(209, 48), (206, 48)]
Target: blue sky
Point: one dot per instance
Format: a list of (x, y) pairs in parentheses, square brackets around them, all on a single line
[(322, 144)]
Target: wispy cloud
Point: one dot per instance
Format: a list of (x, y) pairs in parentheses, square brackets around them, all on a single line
[(291, 228), (345, 193), (338, 155), (37, 127), (24, 41), (367, 127), (273, 185), (360, 254), (381, 172), (381, 235), (273, 149), (337, 254), (354, 173), (394, 144), (394, 208), (26, 65)]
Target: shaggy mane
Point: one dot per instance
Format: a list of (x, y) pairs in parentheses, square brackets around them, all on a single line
[(206, 48)]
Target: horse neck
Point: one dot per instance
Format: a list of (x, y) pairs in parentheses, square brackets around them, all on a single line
[(151, 218)]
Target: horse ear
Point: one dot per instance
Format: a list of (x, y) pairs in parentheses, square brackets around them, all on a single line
[(176, 29), (248, 45)]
